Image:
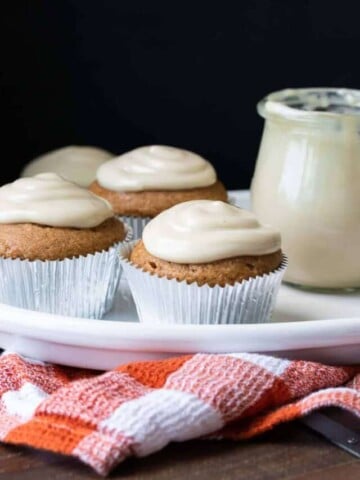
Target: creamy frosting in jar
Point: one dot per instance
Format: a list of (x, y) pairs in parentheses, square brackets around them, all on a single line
[(202, 231), (75, 163), (48, 199), (156, 167), (307, 183)]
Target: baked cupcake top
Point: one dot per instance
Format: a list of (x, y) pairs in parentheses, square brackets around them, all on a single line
[(156, 167), (75, 163), (202, 231), (48, 199)]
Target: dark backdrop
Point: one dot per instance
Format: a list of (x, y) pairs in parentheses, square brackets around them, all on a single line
[(120, 74)]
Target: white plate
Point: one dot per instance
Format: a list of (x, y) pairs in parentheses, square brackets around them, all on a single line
[(313, 326)]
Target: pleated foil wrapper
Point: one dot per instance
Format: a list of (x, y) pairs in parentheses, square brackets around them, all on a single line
[(82, 286), (160, 300), (233, 200), (137, 224)]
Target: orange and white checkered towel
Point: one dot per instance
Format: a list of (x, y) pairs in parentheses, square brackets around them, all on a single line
[(139, 408)]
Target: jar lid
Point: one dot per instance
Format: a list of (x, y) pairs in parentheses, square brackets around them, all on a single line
[(311, 104)]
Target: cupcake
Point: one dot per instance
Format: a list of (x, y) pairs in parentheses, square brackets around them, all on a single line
[(75, 163), (202, 262), (58, 247), (146, 181)]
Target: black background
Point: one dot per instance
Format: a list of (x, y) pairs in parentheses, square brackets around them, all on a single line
[(120, 74)]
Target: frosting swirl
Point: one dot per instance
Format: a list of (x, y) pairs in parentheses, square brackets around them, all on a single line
[(48, 199), (203, 231), (75, 163), (156, 167)]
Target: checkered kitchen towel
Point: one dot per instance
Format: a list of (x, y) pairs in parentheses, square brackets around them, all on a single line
[(139, 408)]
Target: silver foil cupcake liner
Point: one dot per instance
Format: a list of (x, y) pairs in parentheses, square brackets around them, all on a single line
[(81, 286), (233, 200), (137, 224), (162, 300)]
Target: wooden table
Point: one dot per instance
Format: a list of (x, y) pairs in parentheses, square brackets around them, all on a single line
[(291, 452)]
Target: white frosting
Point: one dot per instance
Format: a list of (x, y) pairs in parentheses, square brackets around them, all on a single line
[(330, 106), (75, 163), (307, 184), (203, 231), (156, 167), (48, 199)]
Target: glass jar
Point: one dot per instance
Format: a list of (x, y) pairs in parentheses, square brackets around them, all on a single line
[(307, 183)]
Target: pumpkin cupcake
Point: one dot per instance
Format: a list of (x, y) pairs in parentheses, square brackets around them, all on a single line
[(205, 262), (58, 247), (75, 163), (144, 182)]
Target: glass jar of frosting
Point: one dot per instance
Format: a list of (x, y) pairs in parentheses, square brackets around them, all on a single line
[(307, 183)]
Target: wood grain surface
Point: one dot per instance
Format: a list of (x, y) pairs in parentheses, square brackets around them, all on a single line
[(291, 452)]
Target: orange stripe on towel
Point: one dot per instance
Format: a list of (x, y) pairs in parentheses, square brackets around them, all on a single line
[(58, 435), (154, 374)]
